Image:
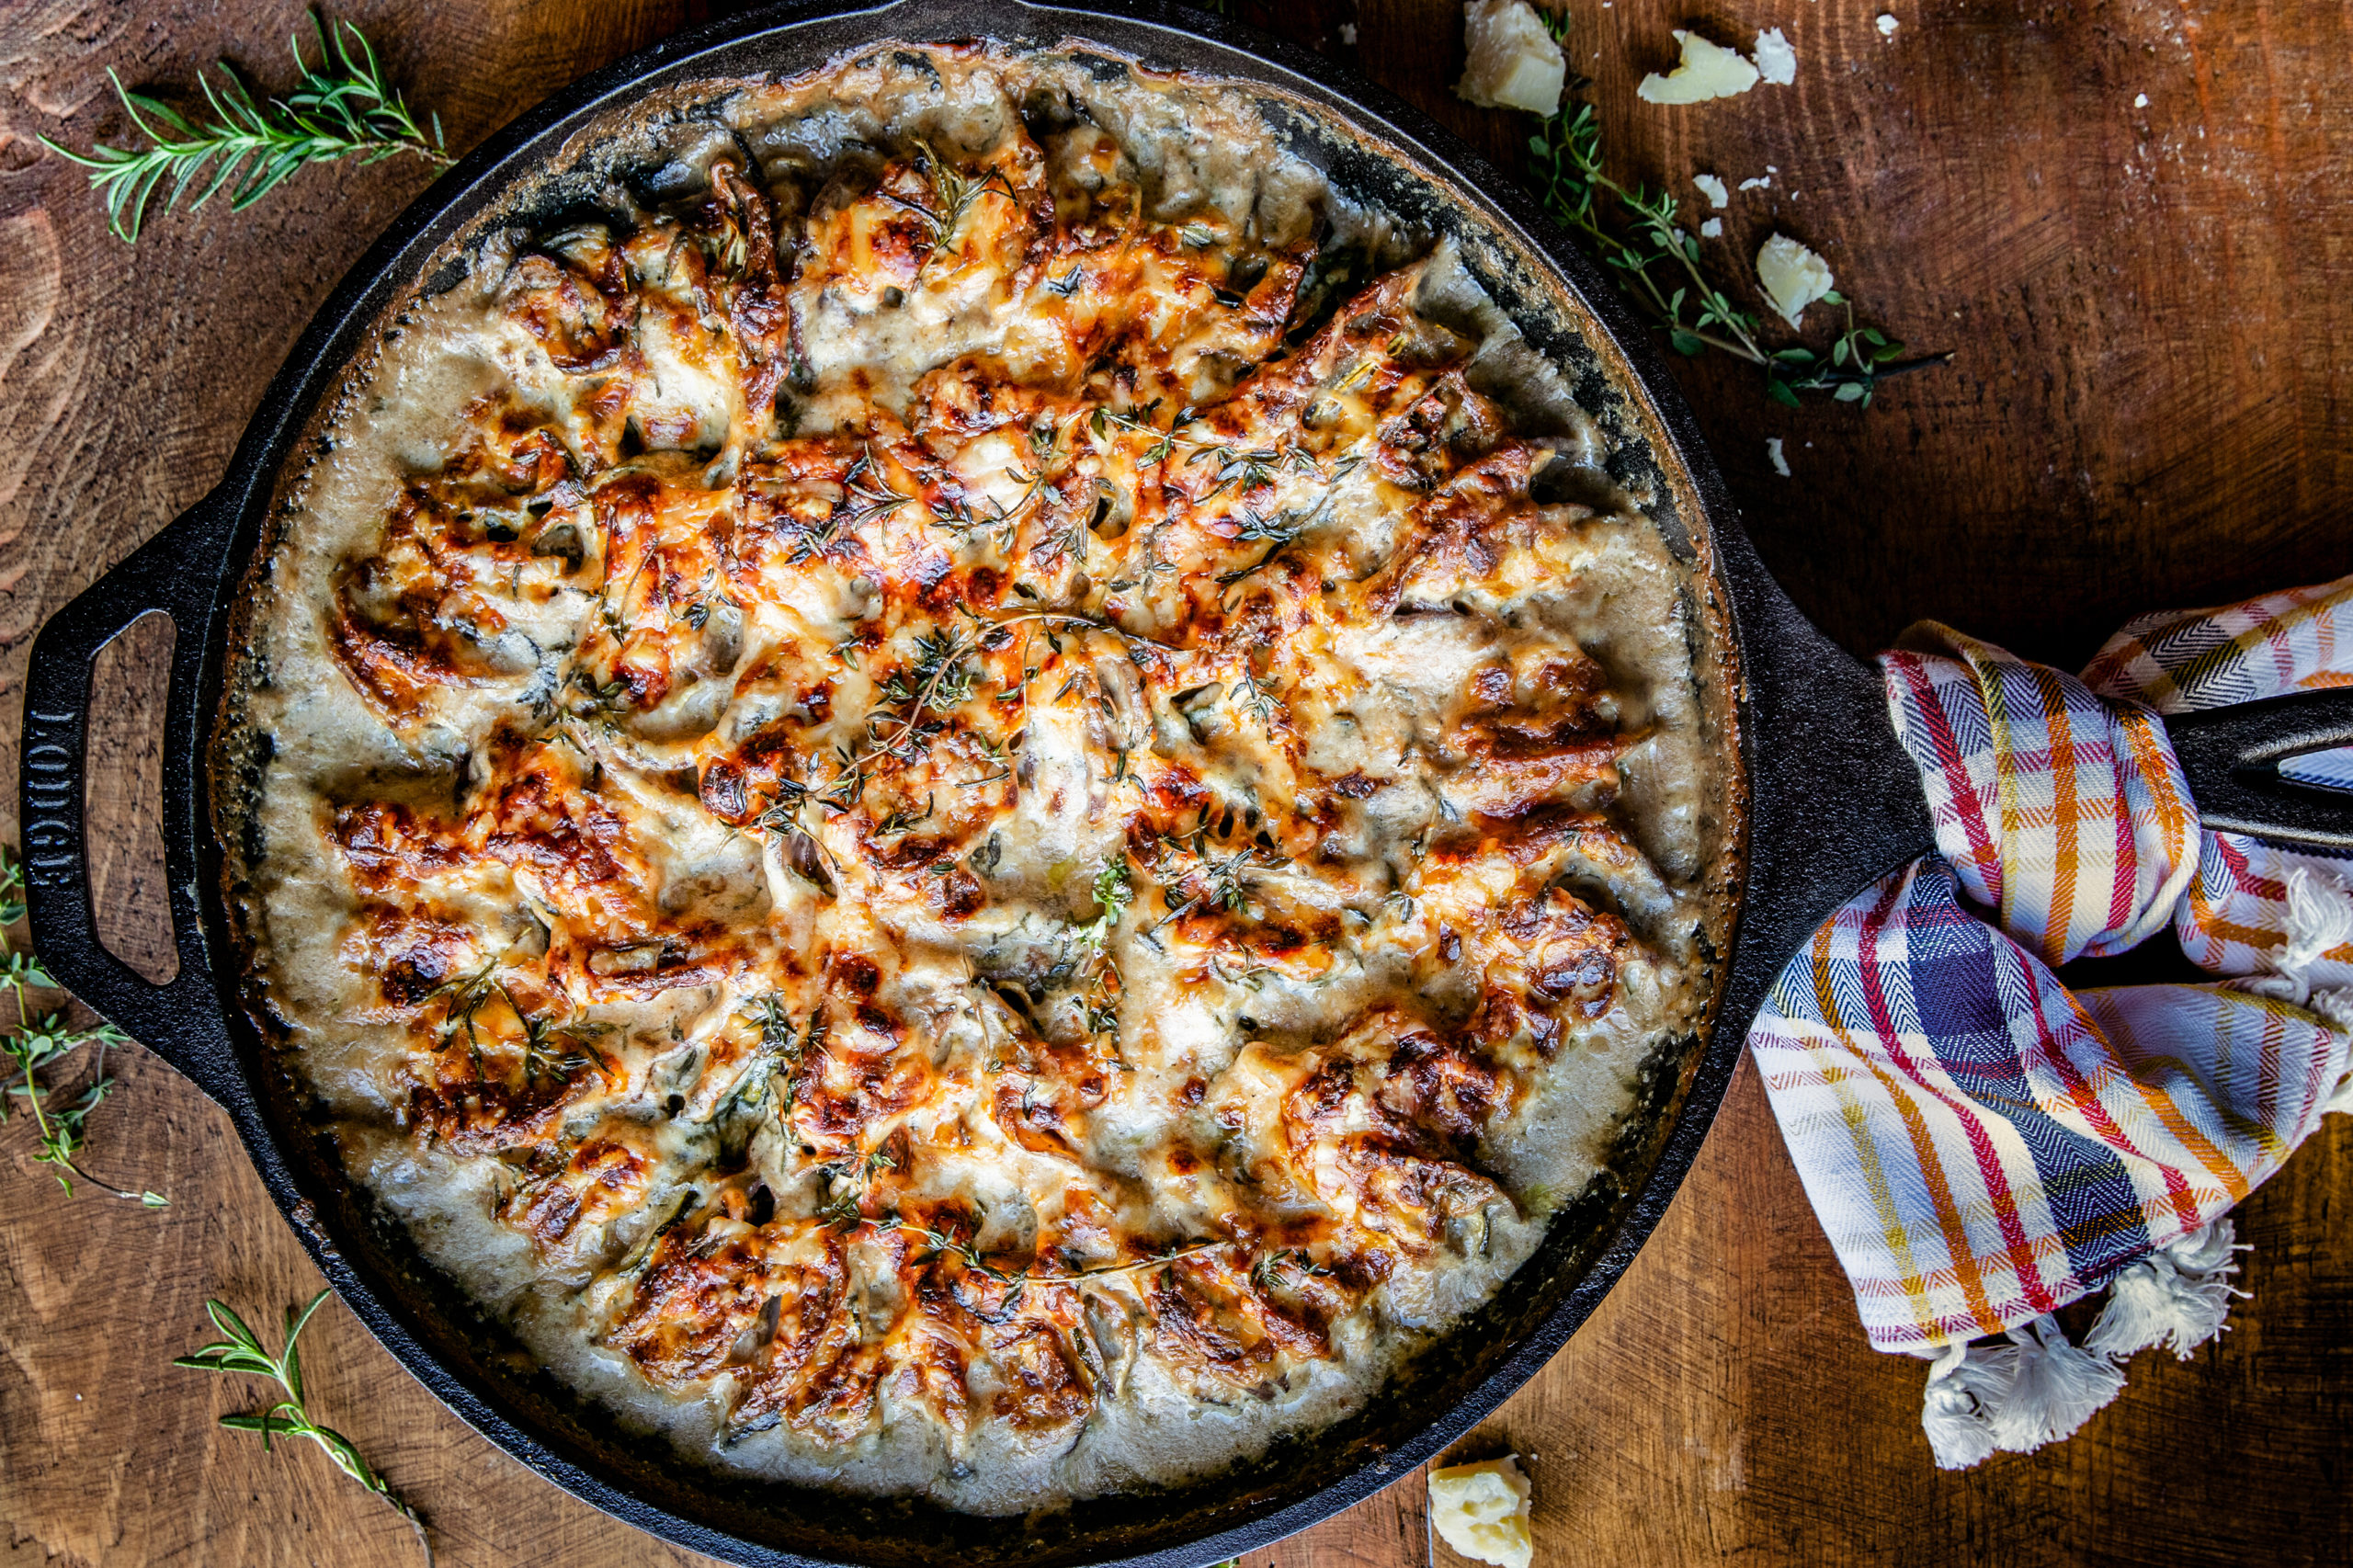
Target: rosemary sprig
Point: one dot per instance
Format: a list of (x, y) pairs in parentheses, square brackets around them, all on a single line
[(464, 996), (342, 108), (242, 1351), (40, 1042), (555, 1052), (1657, 265)]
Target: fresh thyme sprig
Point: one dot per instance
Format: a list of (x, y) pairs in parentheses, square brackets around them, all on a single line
[(1267, 1272), (1019, 1279), (342, 108), (871, 492), (1260, 699), (940, 680), (1238, 468), (1249, 469), (1182, 862), (40, 1042), (781, 1050), (242, 1351), (1658, 263), (955, 191)]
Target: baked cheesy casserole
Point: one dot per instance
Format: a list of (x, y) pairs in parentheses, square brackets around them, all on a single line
[(970, 793)]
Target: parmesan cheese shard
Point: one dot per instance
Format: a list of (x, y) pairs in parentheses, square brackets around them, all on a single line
[(1776, 61), (1712, 229), (1886, 24), (1481, 1510), (1706, 71), (1514, 61), (1781, 458), (1793, 277), (1713, 188)]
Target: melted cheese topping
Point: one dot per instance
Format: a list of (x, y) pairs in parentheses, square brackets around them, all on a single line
[(939, 844)]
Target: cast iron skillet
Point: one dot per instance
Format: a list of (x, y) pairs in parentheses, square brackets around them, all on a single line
[(1832, 804)]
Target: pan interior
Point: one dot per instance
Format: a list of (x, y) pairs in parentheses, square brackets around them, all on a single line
[(1385, 210)]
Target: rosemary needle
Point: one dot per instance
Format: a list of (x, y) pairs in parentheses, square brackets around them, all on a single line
[(241, 1350), (342, 108)]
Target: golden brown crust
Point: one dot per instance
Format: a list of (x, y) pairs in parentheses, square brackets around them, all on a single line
[(989, 898)]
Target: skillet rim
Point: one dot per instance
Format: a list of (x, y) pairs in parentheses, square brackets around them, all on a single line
[(393, 267)]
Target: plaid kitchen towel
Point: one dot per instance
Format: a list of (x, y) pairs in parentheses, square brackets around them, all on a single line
[(1983, 1145)]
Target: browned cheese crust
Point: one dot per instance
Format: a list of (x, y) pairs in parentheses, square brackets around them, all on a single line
[(950, 825)]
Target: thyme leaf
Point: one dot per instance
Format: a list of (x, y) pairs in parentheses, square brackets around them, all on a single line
[(1113, 893), (40, 1042), (1657, 264)]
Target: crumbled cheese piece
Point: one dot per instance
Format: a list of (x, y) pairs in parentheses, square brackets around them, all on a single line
[(1348, 34), (1712, 229), (1714, 190), (1706, 71), (2140, 101), (1759, 182), (1481, 1510), (1886, 24), (1776, 61), (1773, 450), (1793, 277), (1514, 61)]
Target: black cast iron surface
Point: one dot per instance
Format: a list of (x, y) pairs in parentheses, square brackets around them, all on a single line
[(1833, 805)]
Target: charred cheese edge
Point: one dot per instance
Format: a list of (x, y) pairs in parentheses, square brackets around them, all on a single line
[(948, 821)]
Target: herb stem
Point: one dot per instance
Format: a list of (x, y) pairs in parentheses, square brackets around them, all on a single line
[(1697, 313), (341, 107), (239, 1350), (39, 1042)]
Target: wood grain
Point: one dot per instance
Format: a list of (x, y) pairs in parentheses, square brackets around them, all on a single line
[(2151, 403)]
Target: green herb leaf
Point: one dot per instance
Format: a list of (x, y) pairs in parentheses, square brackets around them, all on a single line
[(242, 1352), (38, 1045), (341, 107), (1658, 265)]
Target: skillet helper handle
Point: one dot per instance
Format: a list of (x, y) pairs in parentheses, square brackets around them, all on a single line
[(2231, 756), (177, 573)]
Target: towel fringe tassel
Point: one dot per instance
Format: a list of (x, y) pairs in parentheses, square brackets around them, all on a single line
[(2039, 1387), (1956, 1412), (2319, 917), (2177, 1297), (2034, 1386)]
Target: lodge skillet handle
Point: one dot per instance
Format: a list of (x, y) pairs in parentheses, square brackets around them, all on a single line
[(1834, 801), (177, 573), (2231, 756)]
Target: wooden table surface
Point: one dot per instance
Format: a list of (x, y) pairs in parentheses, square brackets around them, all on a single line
[(2129, 221)]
